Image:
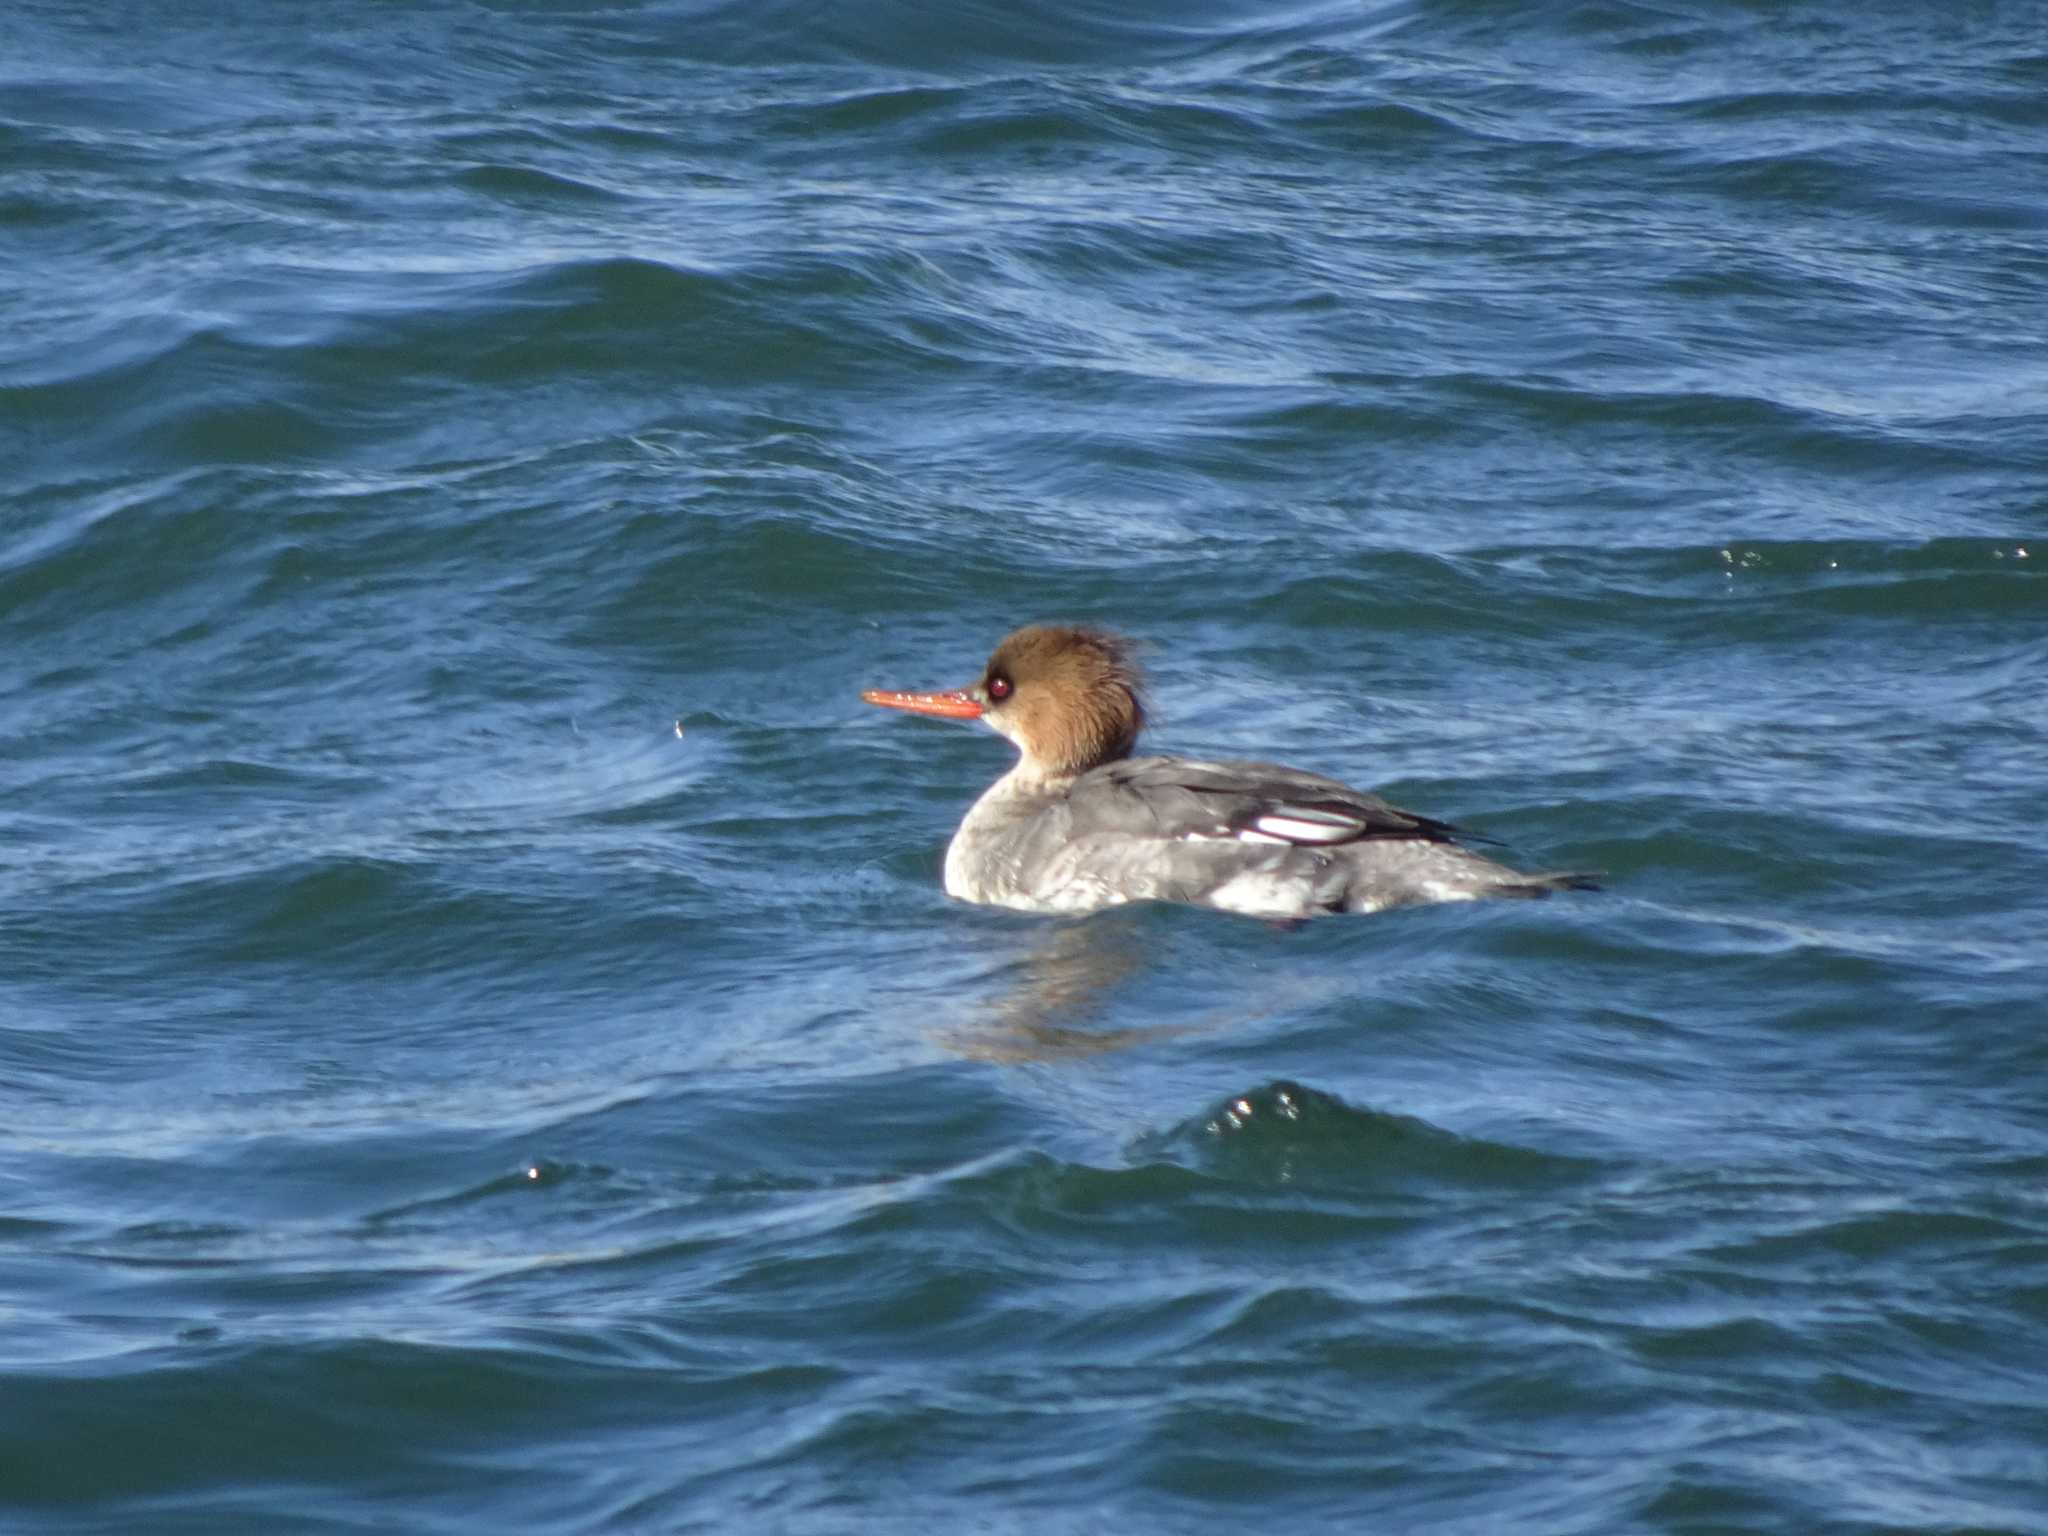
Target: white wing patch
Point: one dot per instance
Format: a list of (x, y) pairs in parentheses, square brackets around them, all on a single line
[(1241, 835), (1299, 825), (1294, 827)]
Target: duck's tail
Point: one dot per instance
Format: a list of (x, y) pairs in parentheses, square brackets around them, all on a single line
[(1548, 881)]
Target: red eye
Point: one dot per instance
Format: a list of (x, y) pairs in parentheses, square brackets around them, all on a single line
[(999, 687)]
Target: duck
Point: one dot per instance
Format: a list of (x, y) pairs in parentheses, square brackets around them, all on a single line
[(1082, 822)]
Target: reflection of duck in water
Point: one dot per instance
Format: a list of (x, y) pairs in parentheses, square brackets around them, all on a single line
[(1055, 992), (1059, 997), (1081, 824)]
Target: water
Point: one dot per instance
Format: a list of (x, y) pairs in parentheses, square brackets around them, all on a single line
[(482, 1044)]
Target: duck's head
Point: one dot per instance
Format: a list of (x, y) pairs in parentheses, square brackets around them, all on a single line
[(1068, 696)]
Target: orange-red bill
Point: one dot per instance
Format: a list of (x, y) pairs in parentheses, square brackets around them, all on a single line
[(952, 706)]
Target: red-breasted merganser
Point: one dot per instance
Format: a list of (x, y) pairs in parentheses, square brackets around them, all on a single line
[(1081, 824)]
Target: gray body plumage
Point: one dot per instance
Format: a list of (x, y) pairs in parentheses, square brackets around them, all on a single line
[(1247, 837)]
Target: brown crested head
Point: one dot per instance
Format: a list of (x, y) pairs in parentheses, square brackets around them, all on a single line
[(1069, 696)]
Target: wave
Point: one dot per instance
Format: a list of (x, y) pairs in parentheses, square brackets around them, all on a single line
[(1285, 1134)]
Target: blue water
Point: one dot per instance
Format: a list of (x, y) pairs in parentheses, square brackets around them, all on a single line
[(483, 1046)]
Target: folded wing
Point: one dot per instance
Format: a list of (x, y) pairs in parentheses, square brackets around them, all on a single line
[(1244, 802)]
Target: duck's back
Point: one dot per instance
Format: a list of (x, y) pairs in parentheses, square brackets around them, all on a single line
[(1248, 837)]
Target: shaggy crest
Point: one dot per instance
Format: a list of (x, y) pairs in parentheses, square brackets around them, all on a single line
[(1070, 696)]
